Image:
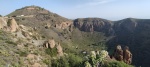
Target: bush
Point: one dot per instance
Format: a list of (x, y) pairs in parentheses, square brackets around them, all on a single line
[(62, 62), (117, 64), (67, 61), (10, 42), (22, 53), (47, 62), (51, 51), (74, 60)]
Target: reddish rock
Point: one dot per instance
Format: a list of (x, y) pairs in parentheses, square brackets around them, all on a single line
[(118, 53), (127, 55)]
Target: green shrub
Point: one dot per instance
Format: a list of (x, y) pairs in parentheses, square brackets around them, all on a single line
[(62, 62), (10, 42), (68, 61), (47, 62), (117, 64), (74, 60), (51, 51), (22, 53)]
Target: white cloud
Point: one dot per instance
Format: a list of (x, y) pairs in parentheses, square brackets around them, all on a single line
[(94, 3)]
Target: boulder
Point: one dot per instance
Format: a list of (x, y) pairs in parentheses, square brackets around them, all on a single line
[(36, 65), (127, 55), (46, 44), (118, 53), (3, 23), (47, 26), (51, 43), (59, 50), (25, 34), (12, 24)]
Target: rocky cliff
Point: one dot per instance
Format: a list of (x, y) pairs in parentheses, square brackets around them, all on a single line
[(94, 24)]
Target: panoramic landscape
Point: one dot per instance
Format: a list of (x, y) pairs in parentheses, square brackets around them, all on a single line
[(32, 34)]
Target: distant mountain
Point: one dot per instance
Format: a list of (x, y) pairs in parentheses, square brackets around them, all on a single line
[(135, 34)]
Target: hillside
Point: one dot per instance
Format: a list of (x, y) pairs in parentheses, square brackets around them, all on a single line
[(135, 34), (37, 16), (37, 32)]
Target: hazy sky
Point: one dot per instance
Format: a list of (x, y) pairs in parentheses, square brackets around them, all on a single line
[(108, 9)]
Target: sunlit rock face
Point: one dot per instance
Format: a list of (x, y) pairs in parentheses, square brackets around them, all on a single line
[(3, 22), (94, 24)]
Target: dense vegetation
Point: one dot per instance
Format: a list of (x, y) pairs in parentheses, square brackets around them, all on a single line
[(92, 60)]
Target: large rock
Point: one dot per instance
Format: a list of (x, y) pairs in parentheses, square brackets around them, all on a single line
[(123, 55), (127, 57), (3, 22), (118, 53), (36, 65), (59, 50), (12, 24), (49, 44)]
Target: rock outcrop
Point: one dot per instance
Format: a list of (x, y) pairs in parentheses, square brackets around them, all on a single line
[(3, 22), (94, 24), (122, 55), (127, 55), (12, 24), (36, 65), (63, 25), (118, 53), (47, 26), (49, 44), (59, 50)]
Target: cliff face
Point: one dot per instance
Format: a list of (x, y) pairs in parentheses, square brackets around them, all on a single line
[(94, 24)]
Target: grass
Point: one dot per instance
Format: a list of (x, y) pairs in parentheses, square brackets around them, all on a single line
[(117, 64), (51, 51)]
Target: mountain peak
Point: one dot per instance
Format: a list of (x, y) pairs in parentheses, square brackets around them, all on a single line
[(30, 10)]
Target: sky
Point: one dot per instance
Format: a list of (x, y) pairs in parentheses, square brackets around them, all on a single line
[(72, 9)]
